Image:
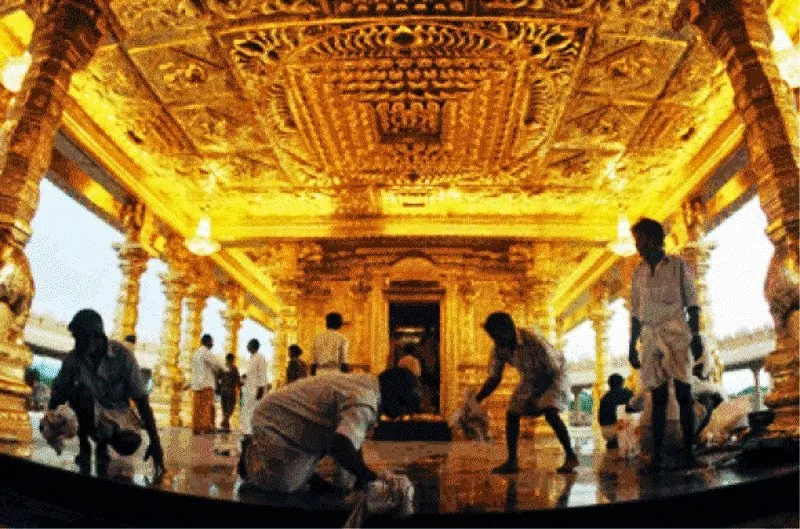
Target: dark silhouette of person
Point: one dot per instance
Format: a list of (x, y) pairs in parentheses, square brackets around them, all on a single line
[(228, 383), (297, 368), (607, 411)]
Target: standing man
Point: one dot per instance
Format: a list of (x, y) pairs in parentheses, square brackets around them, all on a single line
[(205, 369), (662, 296), (255, 385), (229, 384), (329, 354), (542, 390), (98, 379)]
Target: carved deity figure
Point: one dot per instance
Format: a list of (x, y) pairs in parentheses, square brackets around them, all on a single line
[(16, 290)]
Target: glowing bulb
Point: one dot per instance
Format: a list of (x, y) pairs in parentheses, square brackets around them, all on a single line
[(624, 245), (202, 243), (15, 70)]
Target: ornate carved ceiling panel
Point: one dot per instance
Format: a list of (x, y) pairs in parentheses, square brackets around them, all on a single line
[(323, 111)]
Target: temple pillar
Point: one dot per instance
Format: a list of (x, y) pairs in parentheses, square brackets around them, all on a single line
[(199, 288), (626, 267), (132, 262), (65, 35), (756, 370), (600, 316), (360, 290), (739, 33), (232, 317), (697, 252), (449, 396), (286, 331), (167, 394)]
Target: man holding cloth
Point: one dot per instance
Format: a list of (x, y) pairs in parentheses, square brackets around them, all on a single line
[(663, 295)]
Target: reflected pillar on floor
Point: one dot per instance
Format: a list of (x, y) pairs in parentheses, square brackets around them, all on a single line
[(66, 34), (739, 33)]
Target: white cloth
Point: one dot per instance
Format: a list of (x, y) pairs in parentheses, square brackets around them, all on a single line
[(256, 378), (205, 367), (471, 419), (329, 351), (664, 353), (662, 294)]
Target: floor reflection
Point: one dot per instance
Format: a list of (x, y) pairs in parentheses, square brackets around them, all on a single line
[(448, 477)]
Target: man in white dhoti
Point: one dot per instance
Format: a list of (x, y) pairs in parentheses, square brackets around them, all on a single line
[(663, 294), (542, 390), (255, 385)]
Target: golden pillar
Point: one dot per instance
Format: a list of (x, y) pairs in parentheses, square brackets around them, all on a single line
[(65, 36), (132, 262), (626, 267), (697, 252), (199, 290), (167, 395), (233, 316), (739, 33), (600, 316), (286, 332)]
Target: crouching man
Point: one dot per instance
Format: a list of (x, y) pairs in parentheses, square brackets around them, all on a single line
[(295, 427), (98, 380)]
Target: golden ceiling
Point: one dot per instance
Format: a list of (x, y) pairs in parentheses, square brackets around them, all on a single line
[(310, 119)]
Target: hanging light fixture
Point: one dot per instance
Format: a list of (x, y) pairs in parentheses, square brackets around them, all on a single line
[(202, 243), (624, 245), (15, 70)]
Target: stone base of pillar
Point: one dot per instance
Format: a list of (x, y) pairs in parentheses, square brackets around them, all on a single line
[(160, 402), (15, 424), (784, 399), (187, 408)]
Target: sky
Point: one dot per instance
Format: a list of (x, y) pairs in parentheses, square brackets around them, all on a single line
[(74, 266)]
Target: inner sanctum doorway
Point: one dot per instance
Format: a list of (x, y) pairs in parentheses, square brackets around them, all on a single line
[(414, 329)]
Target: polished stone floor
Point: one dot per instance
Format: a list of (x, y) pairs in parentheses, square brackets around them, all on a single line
[(448, 477)]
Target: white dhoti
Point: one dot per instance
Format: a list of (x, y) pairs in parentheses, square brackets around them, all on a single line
[(248, 407), (665, 353)]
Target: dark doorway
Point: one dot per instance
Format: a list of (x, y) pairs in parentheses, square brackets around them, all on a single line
[(414, 329)]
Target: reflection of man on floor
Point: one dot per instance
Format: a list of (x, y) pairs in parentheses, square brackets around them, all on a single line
[(205, 369), (607, 411), (293, 428), (662, 294), (98, 379), (542, 389)]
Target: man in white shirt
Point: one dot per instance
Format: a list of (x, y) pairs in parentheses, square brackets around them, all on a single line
[(255, 385), (663, 294), (329, 354), (205, 368), (295, 427)]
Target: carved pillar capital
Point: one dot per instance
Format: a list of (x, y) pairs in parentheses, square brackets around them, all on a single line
[(132, 262)]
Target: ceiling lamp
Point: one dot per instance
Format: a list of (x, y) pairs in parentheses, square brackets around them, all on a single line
[(202, 243), (624, 245), (15, 70), (787, 55)]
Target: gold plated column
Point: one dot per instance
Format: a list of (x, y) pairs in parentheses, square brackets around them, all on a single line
[(133, 262), (200, 288), (698, 252), (739, 33), (286, 332), (167, 396), (600, 315), (65, 36)]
